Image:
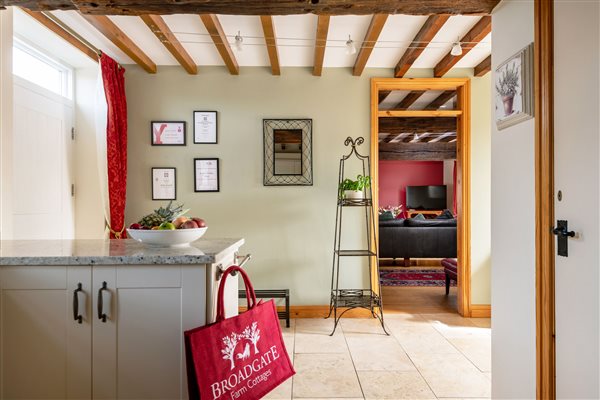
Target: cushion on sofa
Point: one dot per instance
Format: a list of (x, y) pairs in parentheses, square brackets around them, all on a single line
[(393, 222), (429, 222), (386, 216), (446, 214)]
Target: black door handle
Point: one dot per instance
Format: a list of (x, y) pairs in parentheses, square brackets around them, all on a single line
[(562, 231), (101, 314), (76, 316)]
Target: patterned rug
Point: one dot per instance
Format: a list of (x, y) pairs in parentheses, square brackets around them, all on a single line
[(414, 277)]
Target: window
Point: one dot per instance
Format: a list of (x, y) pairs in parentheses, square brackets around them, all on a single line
[(34, 66)]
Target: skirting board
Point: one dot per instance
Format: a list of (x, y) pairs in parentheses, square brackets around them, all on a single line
[(477, 311), (481, 311)]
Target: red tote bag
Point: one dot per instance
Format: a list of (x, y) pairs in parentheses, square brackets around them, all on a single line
[(241, 357)]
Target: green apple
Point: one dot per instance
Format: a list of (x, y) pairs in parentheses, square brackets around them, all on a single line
[(166, 226)]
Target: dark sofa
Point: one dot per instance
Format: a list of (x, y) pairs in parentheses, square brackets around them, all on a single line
[(417, 238)]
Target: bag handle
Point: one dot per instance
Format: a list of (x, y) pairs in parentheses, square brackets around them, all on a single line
[(250, 295)]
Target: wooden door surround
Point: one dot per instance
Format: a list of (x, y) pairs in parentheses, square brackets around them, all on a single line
[(462, 86)]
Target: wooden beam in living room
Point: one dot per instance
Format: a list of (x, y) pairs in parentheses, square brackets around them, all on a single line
[(417, 125), (121, 40), (483, 67), (271, 40), (409, 99), (162, 31), (214, 28), (419, 113), (429, 29), (320, 44), (441, 100), (392, 137), (443, 136), (417, 151), (383, 95), (262, 7), (375, 28), (474, 36)]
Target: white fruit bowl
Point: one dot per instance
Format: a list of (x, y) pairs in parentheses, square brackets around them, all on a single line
[(166, 238)]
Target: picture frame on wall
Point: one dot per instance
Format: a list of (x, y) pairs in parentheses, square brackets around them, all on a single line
[(168, 133), (205, 127), (206, 175), (513, 89), (164, 183)]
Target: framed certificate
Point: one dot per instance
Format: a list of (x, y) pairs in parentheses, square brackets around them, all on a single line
[(167, 133), (206, 174), (205, 127), (163, 184)]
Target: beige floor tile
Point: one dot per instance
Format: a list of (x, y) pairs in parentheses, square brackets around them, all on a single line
[(394, 385), (281, 392), (451, 375), (482, 322), (376, 352), (453, 325), (477, 349), (362, 325), (312, 336), (325, 375), (488, 375), (423, 340)]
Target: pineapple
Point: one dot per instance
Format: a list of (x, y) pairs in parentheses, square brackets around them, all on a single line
[(163, 214)]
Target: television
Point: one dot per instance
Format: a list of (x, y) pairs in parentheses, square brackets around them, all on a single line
[(426, 197)]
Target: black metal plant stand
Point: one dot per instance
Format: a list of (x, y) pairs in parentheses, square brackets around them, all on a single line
[(343, 300)]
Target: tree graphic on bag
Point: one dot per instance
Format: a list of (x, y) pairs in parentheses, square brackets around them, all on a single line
[(250, 333)]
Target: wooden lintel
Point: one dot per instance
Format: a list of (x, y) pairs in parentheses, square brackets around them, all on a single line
[(417, 125), (409, 99), (417, 151), (57, 29), (375, 28), (262, 7), (483, 67), (427, 32), (420, 113), (441, 100), (271, 41), (162, 31), (320, 44), (112, 32), (481, 29), (214, 28)]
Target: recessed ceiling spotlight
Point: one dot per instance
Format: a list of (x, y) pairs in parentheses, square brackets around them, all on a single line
[(350, 47), (456, 48), (239, 41)]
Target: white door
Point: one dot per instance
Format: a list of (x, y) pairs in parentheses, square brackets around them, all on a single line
[(42, 173), (46, 353), (576, 170)]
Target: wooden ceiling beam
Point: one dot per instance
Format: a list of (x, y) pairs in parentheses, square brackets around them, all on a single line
[(383, 94), (62, 33), (214, 28), (392, 137), (483, 67), (481, 29), (441, 100), (375, 28), (409, 99), (442, 136), (271, 41), (262, 7), (162, 31), (112, 32), (397, 126), (427, 32), (417, 151), (320, 44)]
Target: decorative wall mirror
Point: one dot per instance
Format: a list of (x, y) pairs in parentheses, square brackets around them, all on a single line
[(287, 152)]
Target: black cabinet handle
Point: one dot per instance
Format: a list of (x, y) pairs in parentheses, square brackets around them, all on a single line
[(101, 314), (76, 316)]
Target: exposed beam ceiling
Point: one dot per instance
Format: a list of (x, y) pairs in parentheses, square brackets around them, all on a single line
[(262, 7), (320, 43), (375, 28), (442, 136), (63, 33), (158, 26), (428, 31), (416, 125), (214, 28), (441, 100), (383, 94), (417, 151), (409, 99), (271, 40), (121, 40), (392, 137), (474, 36), (484, 67)]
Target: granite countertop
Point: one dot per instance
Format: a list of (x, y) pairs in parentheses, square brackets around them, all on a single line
[(111, 252)]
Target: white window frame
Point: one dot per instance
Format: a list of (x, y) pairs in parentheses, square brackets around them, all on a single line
[(66, 71)]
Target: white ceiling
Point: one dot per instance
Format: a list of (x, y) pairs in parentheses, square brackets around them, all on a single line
[(295, 39)]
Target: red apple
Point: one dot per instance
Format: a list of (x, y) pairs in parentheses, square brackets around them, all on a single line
[(200, 222), (135, 226), (189, 224)]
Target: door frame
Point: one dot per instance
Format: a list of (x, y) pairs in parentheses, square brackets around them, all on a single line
[(463, 165), (544, 198)]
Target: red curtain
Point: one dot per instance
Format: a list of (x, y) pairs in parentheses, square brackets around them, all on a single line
[(454, 206), (113, 77)]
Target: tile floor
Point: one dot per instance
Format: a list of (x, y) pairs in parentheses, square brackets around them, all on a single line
[(426, 356)]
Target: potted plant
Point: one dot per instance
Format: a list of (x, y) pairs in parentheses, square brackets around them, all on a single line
[(507, 87), (354, 190)]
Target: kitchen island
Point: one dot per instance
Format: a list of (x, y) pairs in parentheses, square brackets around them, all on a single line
[(82, 319)]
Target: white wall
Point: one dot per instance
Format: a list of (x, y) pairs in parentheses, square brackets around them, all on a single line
[(6, 120), (513, 226)]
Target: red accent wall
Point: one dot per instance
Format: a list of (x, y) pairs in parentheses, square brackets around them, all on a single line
[(394, 176)]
